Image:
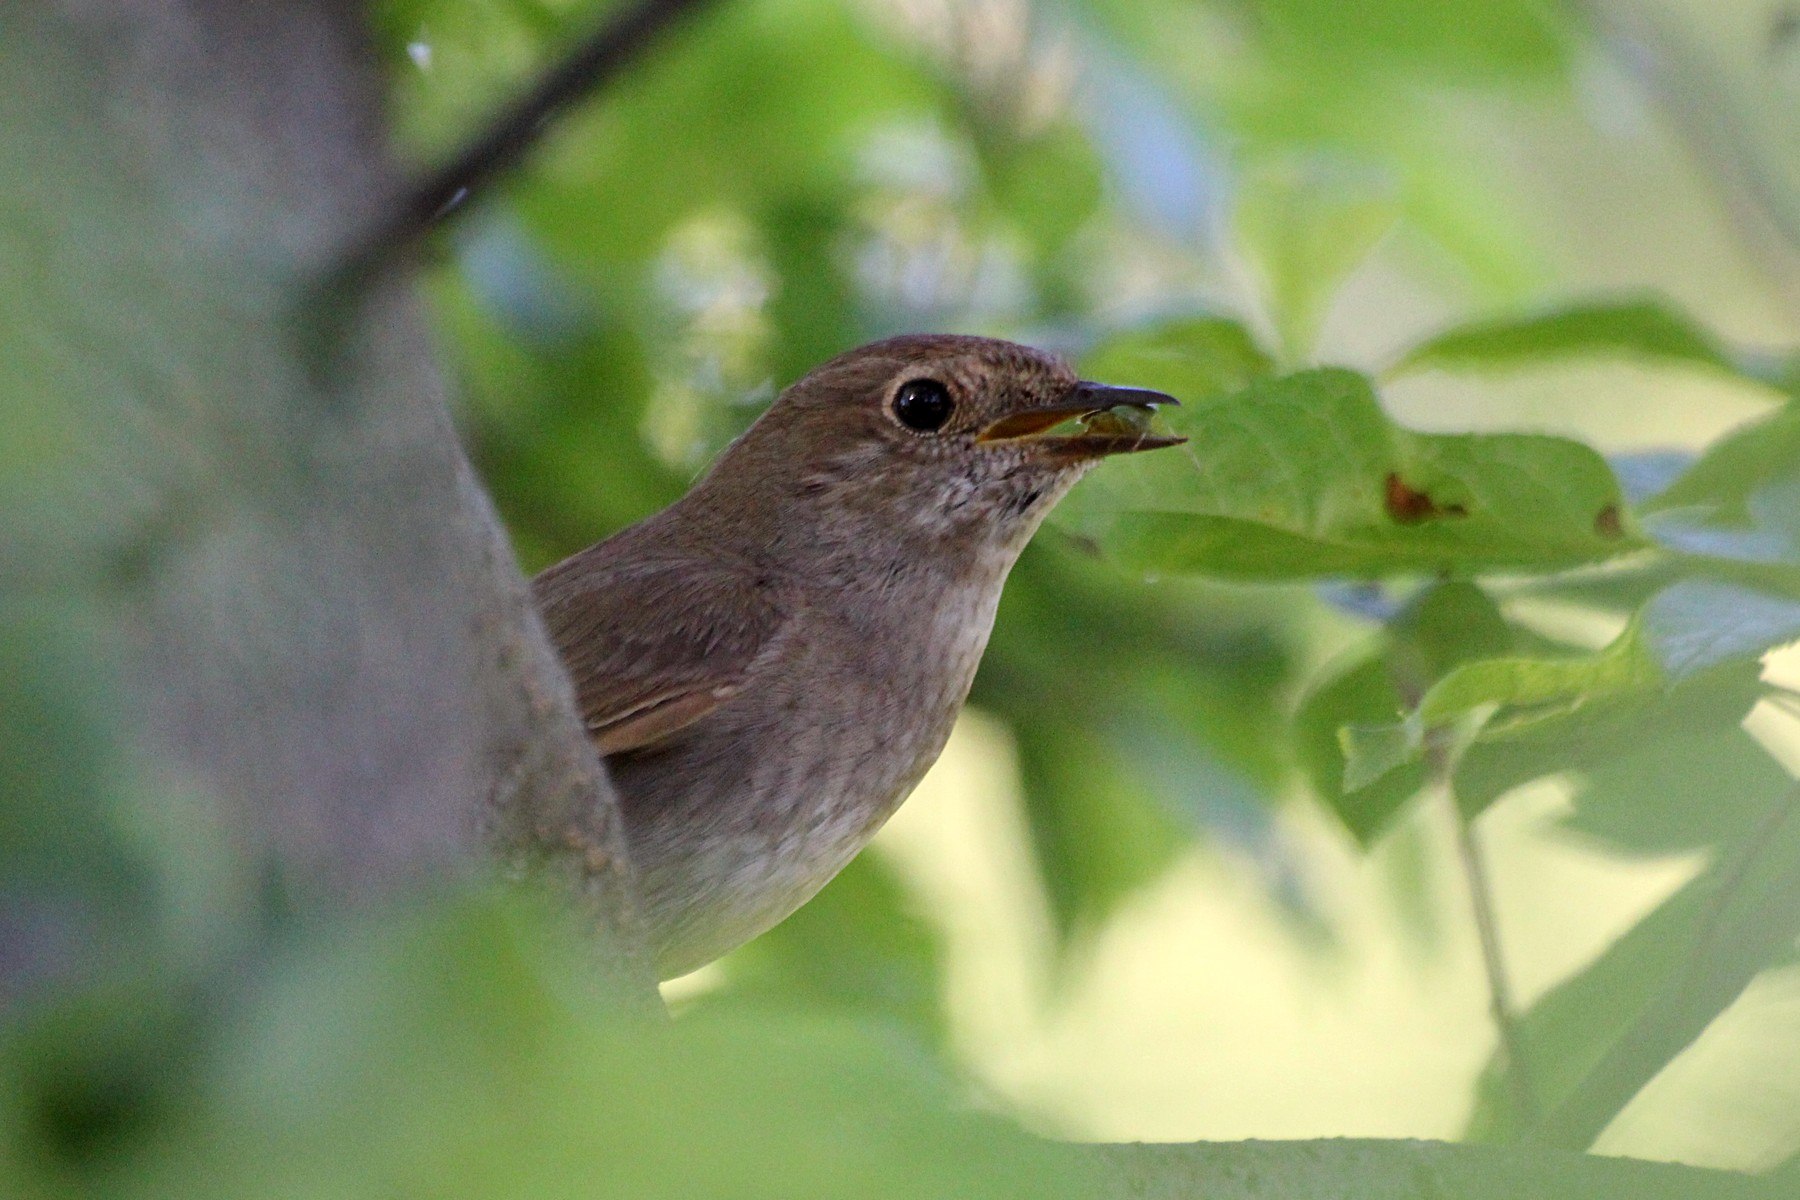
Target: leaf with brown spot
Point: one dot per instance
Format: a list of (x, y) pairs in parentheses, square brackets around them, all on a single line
[(1307, 476), (1408, 505)]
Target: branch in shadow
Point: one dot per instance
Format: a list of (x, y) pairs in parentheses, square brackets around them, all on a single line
[(512, 133)]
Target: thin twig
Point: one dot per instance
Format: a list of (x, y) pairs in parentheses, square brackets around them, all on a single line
[(1500, 1000), (511, 134), (1487, 925)]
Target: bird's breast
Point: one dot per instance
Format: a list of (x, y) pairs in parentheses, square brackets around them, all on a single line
[(746, 817)]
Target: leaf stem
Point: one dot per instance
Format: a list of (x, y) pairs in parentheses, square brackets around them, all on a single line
[(1500, 999)]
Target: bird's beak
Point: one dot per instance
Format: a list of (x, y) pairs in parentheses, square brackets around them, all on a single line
[(1110, 420)]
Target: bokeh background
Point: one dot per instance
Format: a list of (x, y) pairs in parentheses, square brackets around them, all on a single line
[(1125, 901)]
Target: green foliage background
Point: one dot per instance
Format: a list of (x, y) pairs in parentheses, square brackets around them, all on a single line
[(1325, 228)]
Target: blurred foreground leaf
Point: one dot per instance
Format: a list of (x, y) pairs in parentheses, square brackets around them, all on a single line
[(1370, 1169), (1306, 476), (458, 1052)]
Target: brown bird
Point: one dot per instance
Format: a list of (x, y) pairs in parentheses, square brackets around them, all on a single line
[(770, 664)]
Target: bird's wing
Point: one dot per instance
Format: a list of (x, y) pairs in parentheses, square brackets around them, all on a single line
[(653, 647)]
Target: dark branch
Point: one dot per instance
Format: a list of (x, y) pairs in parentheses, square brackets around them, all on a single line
[(512, 133)]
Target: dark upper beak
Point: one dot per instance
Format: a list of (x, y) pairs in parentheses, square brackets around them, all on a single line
[(1128, 429)]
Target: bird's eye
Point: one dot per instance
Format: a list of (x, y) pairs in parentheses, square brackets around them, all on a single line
[(923, 404)]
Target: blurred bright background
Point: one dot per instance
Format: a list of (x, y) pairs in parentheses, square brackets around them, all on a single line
[(1118, 900)]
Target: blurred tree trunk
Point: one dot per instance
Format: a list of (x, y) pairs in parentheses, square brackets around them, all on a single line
[(243, 503)]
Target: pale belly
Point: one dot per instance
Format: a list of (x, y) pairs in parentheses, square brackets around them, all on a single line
[(742, 819)]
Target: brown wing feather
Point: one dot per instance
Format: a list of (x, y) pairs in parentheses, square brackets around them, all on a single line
[(653, 645)]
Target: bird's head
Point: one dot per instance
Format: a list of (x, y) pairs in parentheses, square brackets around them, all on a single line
[(932, 437)]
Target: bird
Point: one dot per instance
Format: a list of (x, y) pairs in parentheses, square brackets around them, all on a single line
[(769, 665)]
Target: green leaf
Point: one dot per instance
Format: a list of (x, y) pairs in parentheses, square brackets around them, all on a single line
[(1191, 358), (1305, 224), (1690, 650), (1584, 735), (1689, 791), (1642, 329), (1048, 185), (1456, 40), (1699, 624), (1305, 476), (1685, 630), (1363, 695), (1446, 624), (857, 946), (1363, 765), (1736, 512), (456, 1052), (1594, 1041), (1735, 467), (755, 108), (1186, 729), (1096, 834)]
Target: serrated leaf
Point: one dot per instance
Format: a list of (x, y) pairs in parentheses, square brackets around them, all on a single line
[(1683, 636), (1642, 329), (1305, 476)]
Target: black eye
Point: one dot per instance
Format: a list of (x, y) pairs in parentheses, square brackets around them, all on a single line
[(923, 404)]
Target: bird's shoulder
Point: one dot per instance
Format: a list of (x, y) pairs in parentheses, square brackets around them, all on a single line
[(655, 638)]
